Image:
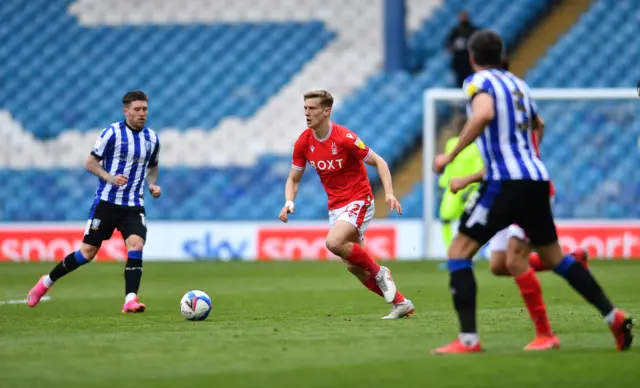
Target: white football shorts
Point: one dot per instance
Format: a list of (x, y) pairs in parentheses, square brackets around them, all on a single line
[(500, 240), (357, 213)]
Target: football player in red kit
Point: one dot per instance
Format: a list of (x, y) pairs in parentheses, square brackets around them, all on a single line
[(338, 156)]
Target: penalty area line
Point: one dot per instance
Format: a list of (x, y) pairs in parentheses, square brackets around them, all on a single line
[(21, 301)]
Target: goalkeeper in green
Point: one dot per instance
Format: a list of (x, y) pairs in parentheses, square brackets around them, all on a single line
[(468, 162)]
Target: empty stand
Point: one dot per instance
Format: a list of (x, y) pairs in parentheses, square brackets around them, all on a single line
[(225, 78)]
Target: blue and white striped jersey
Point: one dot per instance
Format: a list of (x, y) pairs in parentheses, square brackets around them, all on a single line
[(127, 152), (506, 144)]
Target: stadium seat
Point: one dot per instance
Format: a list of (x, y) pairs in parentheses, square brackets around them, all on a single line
[(65, 65)]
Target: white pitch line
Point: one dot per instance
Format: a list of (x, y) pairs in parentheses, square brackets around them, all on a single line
[(21, 301)]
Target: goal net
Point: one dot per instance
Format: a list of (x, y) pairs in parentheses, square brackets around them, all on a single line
[(591, 149)]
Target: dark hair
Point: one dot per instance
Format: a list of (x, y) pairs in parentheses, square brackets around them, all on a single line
[(134, 95), (505, 63), (486, 48)]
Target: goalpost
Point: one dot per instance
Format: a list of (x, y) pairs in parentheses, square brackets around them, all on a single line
[(552, 102)]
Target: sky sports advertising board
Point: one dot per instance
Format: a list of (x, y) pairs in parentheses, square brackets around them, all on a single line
[(227, 241)]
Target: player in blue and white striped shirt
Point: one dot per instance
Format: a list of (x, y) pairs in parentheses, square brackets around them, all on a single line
[(502, 117), (124, 156)]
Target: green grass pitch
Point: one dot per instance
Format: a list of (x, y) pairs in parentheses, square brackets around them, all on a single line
[(304, 324)]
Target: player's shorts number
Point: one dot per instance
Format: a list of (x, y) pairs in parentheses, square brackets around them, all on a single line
[(357, 213)]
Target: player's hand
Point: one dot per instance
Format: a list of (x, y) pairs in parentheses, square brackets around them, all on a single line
[(440, 162), (393, 203), (457, 184), (155, 191), (119, 180), (284, 213)]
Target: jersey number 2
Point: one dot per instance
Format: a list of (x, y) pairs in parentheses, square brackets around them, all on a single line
[(522, 120)]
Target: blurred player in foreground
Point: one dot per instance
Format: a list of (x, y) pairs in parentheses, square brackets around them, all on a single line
[(452, 204), (515, 190), (338, 156), (510, 256), (125, 154)]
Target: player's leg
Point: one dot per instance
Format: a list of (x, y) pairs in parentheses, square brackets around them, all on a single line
[(368, 279), (508, 257), (343, 231), (100, 227), (487, 212), (402, 307), (134, 231), (451, 208), (539, 226), (339, 242), (579, 254), (530, 289), (498, 253)]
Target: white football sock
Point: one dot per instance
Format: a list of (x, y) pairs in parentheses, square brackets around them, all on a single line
[(468, 339), (609, 318), (47, 281), (130, 296)]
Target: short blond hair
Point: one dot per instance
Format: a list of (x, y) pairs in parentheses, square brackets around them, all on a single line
[(326, 99)]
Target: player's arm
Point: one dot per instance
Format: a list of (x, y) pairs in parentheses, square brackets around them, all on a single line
[(479, 91), (153, 170), (460, 183), (152, 175), (292, 185), (291, 192), (444, 179), (103, 146), (482, 114), (382, 167), (538, 127), (94, 166)]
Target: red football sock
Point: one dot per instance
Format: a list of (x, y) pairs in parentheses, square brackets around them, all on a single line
[(361, 259), (399, 298), (371, 284), (536, 263), (532, 295)]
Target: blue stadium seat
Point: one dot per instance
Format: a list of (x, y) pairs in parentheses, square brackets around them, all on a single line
[(73, 76), (58, 75)]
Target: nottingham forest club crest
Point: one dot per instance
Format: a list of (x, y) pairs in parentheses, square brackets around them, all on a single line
[(334, 148)]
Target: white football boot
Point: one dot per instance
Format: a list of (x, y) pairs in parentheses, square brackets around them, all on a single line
[(401, 310), (386, 284)]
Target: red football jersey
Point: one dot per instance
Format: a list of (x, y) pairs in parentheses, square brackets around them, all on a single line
[(339, 161), (552, 189)]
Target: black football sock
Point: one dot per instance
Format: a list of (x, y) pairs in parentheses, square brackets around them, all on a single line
[(583, 281), (462, 284), (69, 264), (133, 273)]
